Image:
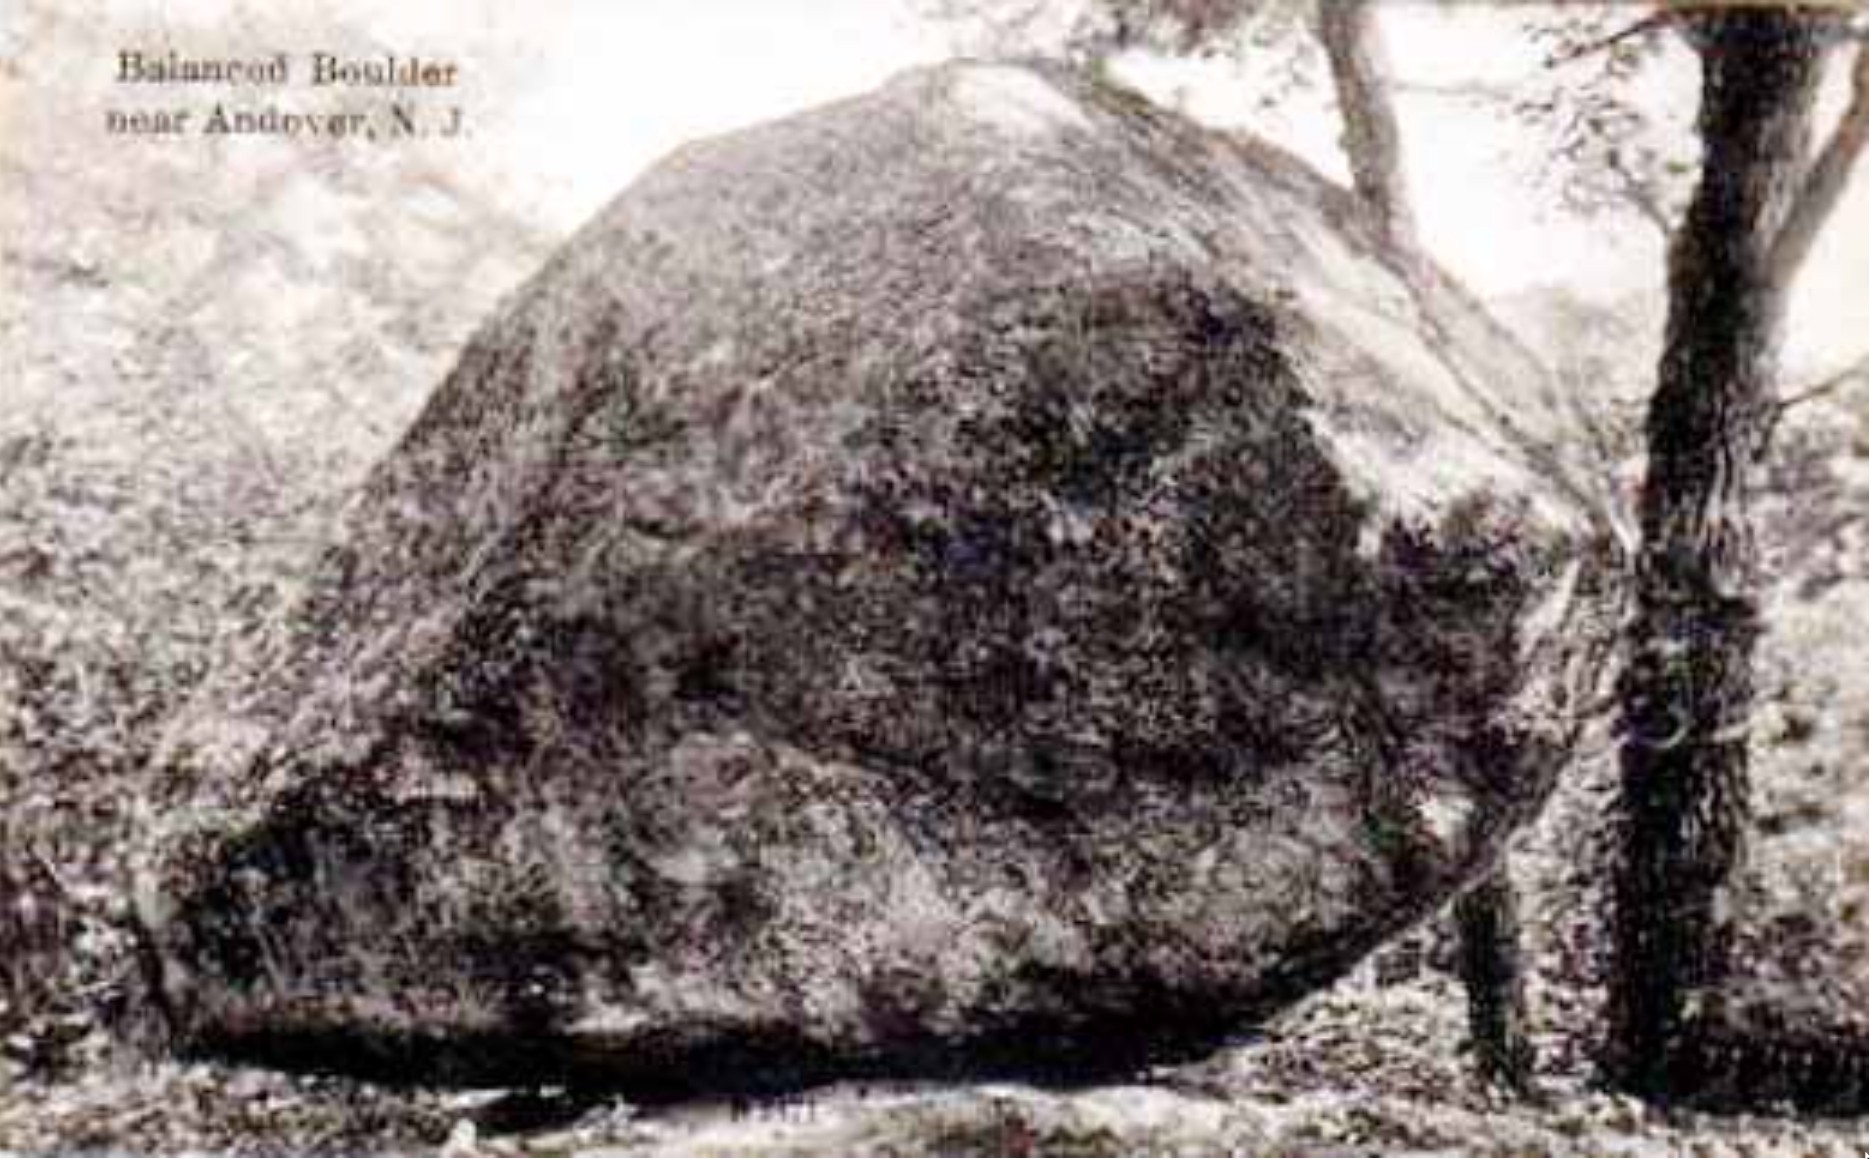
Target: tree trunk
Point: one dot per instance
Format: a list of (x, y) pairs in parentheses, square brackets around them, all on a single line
[(1687, 691), (1487, 921), (1824, 185), (1486, 918), (1372, 141)]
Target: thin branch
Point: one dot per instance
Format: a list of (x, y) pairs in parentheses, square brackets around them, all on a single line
[(1654, 22), (1641, 195), (1457, 90), (1830, 384)]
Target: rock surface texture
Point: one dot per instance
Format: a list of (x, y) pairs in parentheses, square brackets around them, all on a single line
[(982, 577)]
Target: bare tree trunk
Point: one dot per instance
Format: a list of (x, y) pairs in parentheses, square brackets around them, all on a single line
[(1687, 692), (1825, 183), (1372, 141), (1487, 921), (1486, 917)]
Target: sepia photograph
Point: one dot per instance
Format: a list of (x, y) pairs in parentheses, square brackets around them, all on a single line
[(934, 578)]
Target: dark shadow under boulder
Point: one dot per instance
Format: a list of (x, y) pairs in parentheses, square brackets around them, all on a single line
[(982, 577)]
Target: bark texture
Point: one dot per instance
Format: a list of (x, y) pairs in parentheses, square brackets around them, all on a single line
[(1372, 140), (1487, 922), (1826, 181), (1687, 691)]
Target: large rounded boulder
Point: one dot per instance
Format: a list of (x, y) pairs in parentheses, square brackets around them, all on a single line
[(986, 576)]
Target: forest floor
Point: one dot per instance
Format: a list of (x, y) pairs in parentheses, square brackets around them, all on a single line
[(1361, 1070)]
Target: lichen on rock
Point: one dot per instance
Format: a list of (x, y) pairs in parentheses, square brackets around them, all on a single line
[(896, 596)]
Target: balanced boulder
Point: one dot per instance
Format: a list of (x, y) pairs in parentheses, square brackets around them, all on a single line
[(987, 576)]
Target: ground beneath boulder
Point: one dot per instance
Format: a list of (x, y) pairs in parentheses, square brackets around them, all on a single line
[(1362, 1070)]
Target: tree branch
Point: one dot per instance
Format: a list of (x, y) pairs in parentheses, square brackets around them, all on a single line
[(1641, 196), (1457, 90), (1372, 141), (1654, 22), (1831, 384), (1825, 182)]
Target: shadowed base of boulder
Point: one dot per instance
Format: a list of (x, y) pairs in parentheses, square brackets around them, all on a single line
[(744, 1064)]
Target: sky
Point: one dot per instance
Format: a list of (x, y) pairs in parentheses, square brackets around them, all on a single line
[(573, 98), (627, 80)]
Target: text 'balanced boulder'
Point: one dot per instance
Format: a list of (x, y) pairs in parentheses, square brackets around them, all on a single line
[(986, 576)]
